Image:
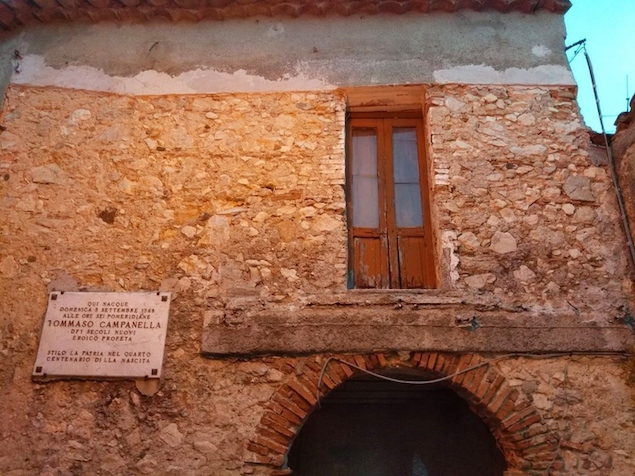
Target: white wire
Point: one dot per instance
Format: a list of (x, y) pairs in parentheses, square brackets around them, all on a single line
[(558, 454), (427, 382)]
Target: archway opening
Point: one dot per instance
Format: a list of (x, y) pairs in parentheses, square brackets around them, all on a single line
[(373, 427)]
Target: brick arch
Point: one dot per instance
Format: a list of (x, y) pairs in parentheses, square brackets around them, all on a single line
[(527, 443)]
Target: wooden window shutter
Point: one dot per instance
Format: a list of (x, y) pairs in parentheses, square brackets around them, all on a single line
[(390, 236)]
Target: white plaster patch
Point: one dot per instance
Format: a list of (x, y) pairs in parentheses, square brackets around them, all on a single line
[(275, 30), (482, 74), (448, 242), (541, 51), (35, 72)]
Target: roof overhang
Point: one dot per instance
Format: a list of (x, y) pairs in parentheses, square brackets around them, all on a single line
[(17, 13)]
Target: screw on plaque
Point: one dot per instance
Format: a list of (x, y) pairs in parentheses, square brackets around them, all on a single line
[(164, 298), (53, 297), (155, 371), (38, 370)]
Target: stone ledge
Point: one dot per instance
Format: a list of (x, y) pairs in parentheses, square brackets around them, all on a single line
[(372, 328)]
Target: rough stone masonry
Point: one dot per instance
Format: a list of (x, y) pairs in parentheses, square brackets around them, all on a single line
[(235, 202)]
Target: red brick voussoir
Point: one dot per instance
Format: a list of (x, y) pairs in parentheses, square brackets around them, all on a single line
[(527, 443)]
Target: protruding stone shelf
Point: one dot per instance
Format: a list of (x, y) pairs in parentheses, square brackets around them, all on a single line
[(418, 323)]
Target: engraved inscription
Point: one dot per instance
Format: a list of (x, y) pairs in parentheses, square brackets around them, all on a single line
[(103, 335)]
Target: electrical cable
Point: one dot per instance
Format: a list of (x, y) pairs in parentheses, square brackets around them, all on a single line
[(579, 44), (612, 166), (444, 378), (609, 149), (557, 456), (575, 53)]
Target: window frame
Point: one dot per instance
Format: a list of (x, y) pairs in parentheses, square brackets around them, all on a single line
[(392, 240)]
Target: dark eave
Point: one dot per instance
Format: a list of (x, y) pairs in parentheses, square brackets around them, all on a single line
[(17, 13)]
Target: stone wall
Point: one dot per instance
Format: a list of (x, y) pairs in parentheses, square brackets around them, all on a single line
[(207, 411), (531, 404), (521, 206), (236, 202), (227, 192), (624, 154)]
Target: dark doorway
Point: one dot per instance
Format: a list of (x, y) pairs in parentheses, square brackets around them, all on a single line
[(370, 427)]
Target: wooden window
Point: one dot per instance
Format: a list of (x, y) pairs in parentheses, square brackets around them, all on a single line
[(390, 236)]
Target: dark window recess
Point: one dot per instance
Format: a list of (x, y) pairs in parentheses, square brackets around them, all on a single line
[(390, 235)]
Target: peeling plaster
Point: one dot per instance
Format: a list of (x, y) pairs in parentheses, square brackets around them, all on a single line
[(541, 51), (35, 72), (482, 74), (282, 54)]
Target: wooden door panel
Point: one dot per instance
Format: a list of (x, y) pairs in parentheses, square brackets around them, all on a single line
[(370, 263), (414, 263)]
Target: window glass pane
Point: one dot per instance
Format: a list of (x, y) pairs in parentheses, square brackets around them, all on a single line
[(404, 152), (408, 213), (365, 181), (365, 152), (408, 210)]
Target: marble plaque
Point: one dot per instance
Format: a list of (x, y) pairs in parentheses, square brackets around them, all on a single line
[(103, 335)]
